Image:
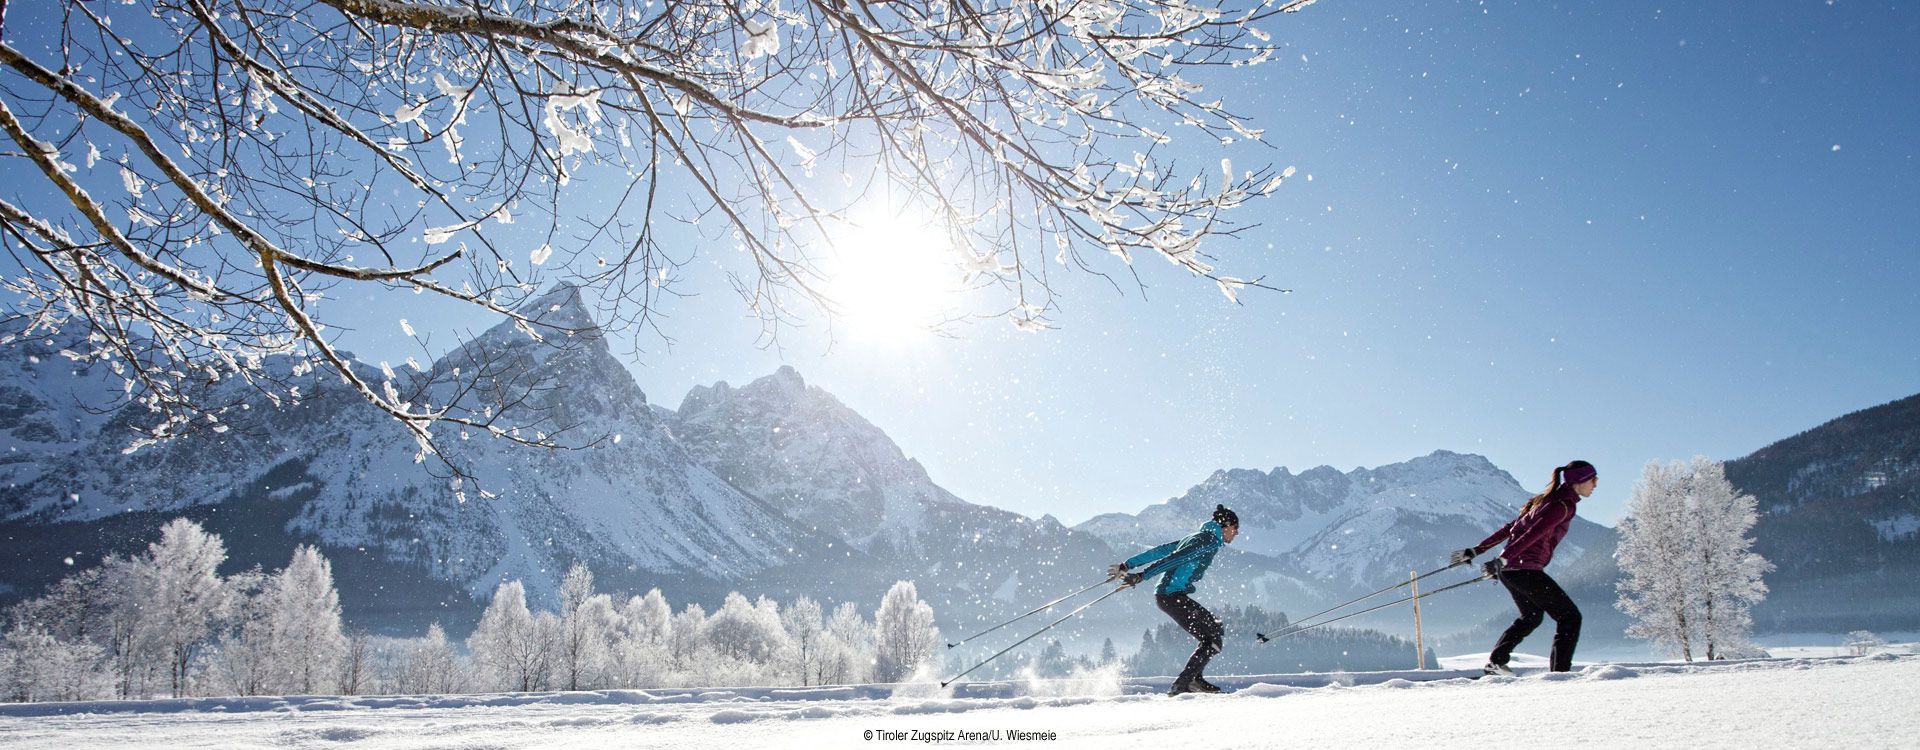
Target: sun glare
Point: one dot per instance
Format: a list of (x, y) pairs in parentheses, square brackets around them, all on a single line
[(892, 278)]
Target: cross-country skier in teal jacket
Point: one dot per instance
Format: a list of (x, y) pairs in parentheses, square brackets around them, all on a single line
[(1184, 563)]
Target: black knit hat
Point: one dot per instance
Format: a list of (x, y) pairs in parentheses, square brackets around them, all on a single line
[(1225, 517)]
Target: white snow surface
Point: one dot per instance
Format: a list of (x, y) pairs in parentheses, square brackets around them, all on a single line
[(1807, 702)]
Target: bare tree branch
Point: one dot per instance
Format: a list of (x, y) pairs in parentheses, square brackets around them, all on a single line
[(257, 147)]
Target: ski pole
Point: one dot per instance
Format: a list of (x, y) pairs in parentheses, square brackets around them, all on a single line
[(1344, 605), (1036, 634), (1297, 629), (1036, 610)]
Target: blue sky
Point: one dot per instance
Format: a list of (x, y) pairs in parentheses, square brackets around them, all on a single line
[(1620, 232), (1615, 231)]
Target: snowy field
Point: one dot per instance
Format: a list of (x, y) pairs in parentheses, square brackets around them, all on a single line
[(1803, 702), (1800, 645)]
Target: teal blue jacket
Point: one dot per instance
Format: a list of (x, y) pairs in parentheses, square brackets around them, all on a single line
[(1184, 562)]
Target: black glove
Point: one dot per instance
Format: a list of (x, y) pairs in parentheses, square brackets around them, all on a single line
[(1132, 579), (1494, 567), (1116, 570), (1465, 556)]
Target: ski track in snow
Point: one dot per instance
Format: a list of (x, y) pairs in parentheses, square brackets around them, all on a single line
[(1825, 702)]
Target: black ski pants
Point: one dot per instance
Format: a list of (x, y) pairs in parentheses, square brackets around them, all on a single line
[(1536, 594), (1200, 624)]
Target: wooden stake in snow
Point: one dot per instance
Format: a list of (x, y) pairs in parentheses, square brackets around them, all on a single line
[(1419, 640)]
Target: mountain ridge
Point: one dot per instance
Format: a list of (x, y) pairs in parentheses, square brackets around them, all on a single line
[(1840, 520)]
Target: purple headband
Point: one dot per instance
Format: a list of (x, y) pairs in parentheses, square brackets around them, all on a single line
[(1579, 474)]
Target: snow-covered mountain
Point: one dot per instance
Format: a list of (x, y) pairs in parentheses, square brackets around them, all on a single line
[(1840, 521), (51, 402), (334, 471), (775, 487), (801, 450)]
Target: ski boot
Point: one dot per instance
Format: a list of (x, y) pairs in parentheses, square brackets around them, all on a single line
[(1200, 685), (1497, 669)]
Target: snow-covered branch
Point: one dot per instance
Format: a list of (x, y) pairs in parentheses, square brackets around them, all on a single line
[(203, 176)]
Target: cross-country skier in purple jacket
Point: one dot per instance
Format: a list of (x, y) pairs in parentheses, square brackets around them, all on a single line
[(1521, 567)]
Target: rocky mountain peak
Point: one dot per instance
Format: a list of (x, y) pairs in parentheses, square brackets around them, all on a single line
[(784, 391), (562, 352), (560, 324), (784, 385), (701, 398), (561, 308)]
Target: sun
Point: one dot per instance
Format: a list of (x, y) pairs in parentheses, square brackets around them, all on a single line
[(892, 278)]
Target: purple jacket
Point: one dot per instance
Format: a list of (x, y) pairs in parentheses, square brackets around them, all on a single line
[(1532, 537)]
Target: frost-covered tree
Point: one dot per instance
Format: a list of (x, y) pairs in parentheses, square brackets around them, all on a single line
[(37, 665), (1864, 642), (640, 654), (589, 638), (548, 636), (1689, 575), (166, 617), (742, 643), (310, 645), (74, 606), (288, 637), (587, 622), (506, 645), (180, 597), (649, 617), (1652, 555), (687, 636), (1729, 573), (430, 666), (134, 667), (243, 662), (848, 653), (904, 634), (806, 634), (56, 644), (138, 609), (743, 632), (195, 180), (282, 633), (357, 665)]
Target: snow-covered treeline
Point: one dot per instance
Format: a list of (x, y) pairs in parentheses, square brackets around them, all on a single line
[(165, 623), (594, 642)]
